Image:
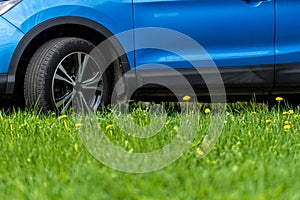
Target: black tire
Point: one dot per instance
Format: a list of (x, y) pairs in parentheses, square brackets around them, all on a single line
[(62, 74)]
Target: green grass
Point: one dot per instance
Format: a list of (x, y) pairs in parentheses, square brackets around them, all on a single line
[(42, 157)]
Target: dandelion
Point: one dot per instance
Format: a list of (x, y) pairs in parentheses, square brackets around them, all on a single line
[(200, 152), (285, 113), (268, 121), (254, 113), (78, 124), (186, 98), (287, 127), (212, 162), (286, 122), (109, 126), (62, 117), (278, 99), (291, 112), (207, 110)]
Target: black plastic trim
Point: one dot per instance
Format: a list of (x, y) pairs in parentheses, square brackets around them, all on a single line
[(237, 80), (287, 75), (3, 82), (46, 25)]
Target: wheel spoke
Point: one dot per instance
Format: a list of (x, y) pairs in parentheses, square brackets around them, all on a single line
[(97, 103), (83, 103), (100, 88), (92, 81), (62, 69), (97, 88), (80, 71), (66, 100), (58, 77), (82, 65), (79, 59)]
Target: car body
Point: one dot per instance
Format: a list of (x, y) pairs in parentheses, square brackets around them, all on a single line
[(254, 44)]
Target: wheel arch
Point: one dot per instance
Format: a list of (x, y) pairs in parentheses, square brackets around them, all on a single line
[(50, 29)]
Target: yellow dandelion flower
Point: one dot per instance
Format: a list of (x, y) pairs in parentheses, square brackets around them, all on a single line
[(212, 162), (109, 126), (207, 110), (285, 113), (268, 121), (287, 127), (279, 98), (186, 98), (254, 113), (200, 152), (291, 112), (62, 117), (286, 122), (78, 124)]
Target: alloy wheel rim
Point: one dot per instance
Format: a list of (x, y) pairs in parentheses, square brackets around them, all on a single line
[(77, 82)]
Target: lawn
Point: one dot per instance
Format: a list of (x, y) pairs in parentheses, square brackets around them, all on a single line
[(257, 156)]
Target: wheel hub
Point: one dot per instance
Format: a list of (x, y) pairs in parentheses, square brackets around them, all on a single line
[(77, 87)]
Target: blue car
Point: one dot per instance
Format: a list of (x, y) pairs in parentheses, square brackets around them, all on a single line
[(57, 53)]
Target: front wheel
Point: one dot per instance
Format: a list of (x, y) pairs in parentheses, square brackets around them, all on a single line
[(62, 73)]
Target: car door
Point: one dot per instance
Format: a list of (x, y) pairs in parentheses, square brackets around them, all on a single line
[(287, 44), (238, 35)]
